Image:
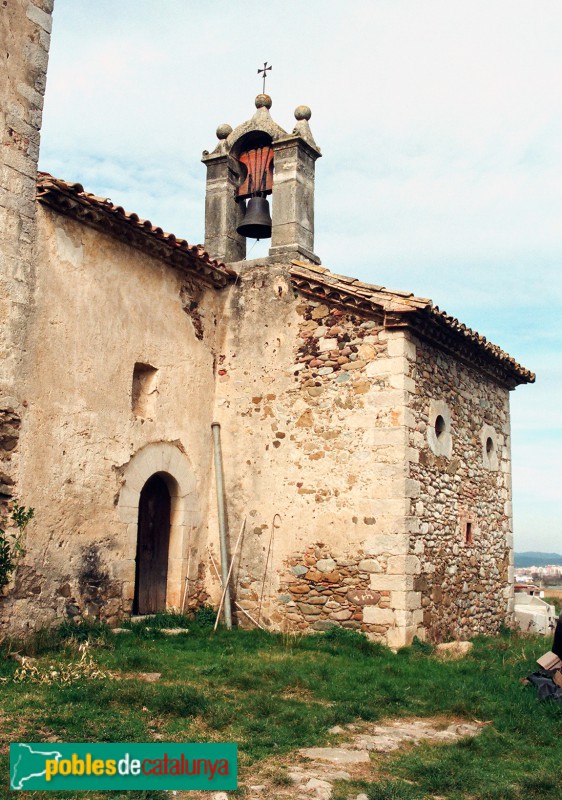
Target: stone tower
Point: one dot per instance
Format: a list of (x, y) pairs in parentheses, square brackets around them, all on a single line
[(292, 191), (25, 28)]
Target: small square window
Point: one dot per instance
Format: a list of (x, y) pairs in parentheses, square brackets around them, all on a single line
[(143, 390)]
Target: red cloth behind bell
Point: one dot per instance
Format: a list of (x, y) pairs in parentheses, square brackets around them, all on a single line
[(259, 179)]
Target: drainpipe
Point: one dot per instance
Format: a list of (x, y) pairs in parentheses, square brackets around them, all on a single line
[(216, 428)]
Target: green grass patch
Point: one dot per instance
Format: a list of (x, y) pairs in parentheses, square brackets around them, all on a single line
[(273, 694)]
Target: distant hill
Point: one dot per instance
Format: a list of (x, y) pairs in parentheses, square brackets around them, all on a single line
[(536, 559)]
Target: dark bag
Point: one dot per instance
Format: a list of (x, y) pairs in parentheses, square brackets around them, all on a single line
[(557, 645), (543, 680)]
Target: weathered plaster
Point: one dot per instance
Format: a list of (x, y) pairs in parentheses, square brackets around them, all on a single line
[(80, 432)]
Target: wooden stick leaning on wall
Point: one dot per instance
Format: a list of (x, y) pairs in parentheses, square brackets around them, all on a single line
[(269, 552), (225, 587), (186, 586), (236, 603)]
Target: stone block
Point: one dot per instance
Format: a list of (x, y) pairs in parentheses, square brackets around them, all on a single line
[(386, 543), (138, 472), (405, 601), (395, 344), (131, 538), (413, 455), (369, 565), (378, 368), (403, 382), (408, 418), (403, 618), (392, 583), (400, 637), (308, 609), (373, 615), (128, 497), (41, 18), (417, 616), (342, 615), (382, 398), (324, 625), (403, 565), (412, 488), (20, 161), (44, 5), (129, 514), (128, 590)]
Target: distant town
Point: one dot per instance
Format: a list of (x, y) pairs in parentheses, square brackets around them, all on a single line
[(542, 569), (549, 575)]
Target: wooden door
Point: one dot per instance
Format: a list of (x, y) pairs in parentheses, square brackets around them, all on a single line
[(152, 547)]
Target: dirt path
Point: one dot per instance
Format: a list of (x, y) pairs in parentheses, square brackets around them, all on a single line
[(357, 753)]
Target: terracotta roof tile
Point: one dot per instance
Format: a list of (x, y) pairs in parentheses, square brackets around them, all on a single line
[(71, 199), (399, 309), (403, 309)]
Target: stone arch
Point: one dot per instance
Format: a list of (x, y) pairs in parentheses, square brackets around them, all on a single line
[(172, 464)]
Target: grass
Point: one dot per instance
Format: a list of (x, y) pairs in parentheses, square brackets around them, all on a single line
[(273, 694)]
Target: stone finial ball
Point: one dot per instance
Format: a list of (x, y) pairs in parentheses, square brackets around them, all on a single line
[(303, 112), (223, 131), (263, 101)]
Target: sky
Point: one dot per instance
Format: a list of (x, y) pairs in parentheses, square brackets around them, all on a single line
[(440, 124)]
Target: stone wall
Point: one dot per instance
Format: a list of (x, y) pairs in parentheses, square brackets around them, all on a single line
[(373, 471), (321, 592), (24, 43), (310, 398), (464, 544), (87, 448)]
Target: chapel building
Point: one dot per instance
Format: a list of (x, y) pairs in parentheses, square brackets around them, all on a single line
[(365, 434)]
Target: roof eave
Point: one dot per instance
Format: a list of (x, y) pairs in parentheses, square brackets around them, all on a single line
[(429, 326), (403, 310), (71, 200)]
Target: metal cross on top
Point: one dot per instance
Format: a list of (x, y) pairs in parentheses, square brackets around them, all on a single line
[(265, 70)]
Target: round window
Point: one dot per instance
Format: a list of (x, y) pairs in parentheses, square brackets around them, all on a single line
[(439, 426)]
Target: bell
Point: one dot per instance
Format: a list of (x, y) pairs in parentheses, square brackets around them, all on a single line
[(257, 220)]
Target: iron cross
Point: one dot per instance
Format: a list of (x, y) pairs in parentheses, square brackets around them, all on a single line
[(265, 70)]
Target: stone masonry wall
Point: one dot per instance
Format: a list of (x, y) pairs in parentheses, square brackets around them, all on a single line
[(99, 308), (464, 544), (310, 398), (24, 43)]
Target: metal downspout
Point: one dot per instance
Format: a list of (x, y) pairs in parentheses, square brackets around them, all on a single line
[(216, 428)]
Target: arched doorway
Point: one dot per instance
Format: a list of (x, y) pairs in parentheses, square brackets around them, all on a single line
[(153, 540), (170, 463)]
